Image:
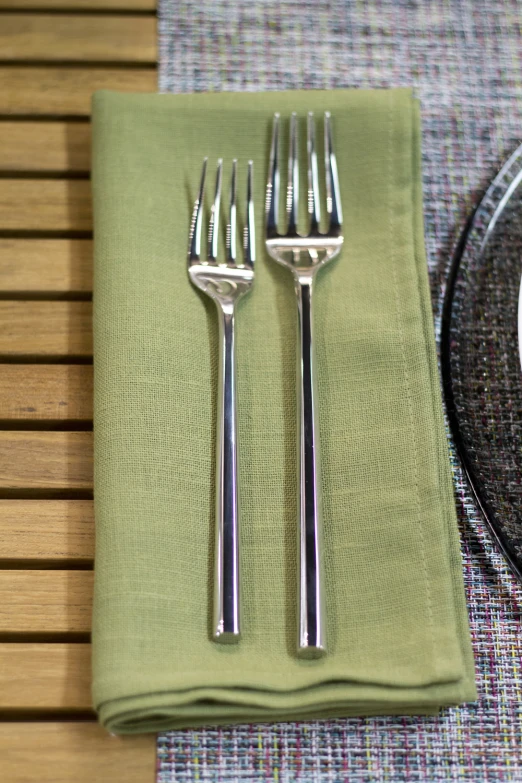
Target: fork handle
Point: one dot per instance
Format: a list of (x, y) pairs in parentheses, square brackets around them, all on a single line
[(226, 620), (312, 636)]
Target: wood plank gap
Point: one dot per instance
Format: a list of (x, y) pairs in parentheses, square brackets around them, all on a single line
[(45, 565), (30, 358), (32, 174), (46, 296), (79, 119), (49, 425), (68, 11), (46, 715), (45, 494), (18, 233), (47, 637), (91, 65)]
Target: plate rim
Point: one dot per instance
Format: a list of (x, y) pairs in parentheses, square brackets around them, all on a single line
[(489, 516)]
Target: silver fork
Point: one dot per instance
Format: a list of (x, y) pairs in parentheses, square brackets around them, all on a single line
[(304, 256), (225, 281)]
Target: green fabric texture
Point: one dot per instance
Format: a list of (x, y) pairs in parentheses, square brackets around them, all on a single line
[(396, 616)]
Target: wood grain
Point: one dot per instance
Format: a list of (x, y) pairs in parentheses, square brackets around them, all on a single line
[(54, 534), (79, 5), (50, 266), (45, 601), (74, 752), (27, 37), (60, 92), (45, 676), (45, 460), (45, 329), (45, 205), (56, 147), (47, 393), (47, 530)]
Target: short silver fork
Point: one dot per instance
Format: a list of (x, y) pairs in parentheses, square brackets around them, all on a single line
[(225, 281), (304, 256)]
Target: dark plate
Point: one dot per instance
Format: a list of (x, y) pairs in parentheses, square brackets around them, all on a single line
[(480, 359)]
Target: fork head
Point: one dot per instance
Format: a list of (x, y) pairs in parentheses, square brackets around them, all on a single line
[(304, 254), (223, 279)]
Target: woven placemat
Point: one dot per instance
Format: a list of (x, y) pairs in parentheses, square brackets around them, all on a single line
[(464, 58)]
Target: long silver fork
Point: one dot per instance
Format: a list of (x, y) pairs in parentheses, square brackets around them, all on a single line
[(225, 281), (305, 255)]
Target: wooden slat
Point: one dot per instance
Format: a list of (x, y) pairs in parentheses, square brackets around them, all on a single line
[(45, 601), (47, 530), (45, 329), (45, 676), (47, 393), (45, 146), (54, 676), (79, 5), (45, 205), (70, 752), (27, 37), (46, 265), (45, 460), (65, 91)]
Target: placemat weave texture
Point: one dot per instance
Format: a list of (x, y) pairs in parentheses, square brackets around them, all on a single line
[(464, 58)]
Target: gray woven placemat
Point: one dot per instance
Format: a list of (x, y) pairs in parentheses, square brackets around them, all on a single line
[(464, 58)]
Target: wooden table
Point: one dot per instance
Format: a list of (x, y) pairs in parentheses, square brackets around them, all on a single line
[(53, 55)]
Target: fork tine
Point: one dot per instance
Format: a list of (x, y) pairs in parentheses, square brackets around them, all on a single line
[(272, 185), (292, 191), (250, 240), (213, 228), (333, 197), (195, 223), (232, 224), (314, 208)]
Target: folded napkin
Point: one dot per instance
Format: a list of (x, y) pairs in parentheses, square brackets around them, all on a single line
[(397, 625)]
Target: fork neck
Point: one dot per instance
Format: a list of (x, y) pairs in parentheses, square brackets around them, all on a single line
[(304, 286), (304, 280), (226, 327), (226, 309)]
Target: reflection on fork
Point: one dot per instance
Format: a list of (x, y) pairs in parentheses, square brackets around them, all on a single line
[(304, 255), (225, 280)]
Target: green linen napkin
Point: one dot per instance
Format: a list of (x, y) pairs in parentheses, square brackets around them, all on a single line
[(397, 624)]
